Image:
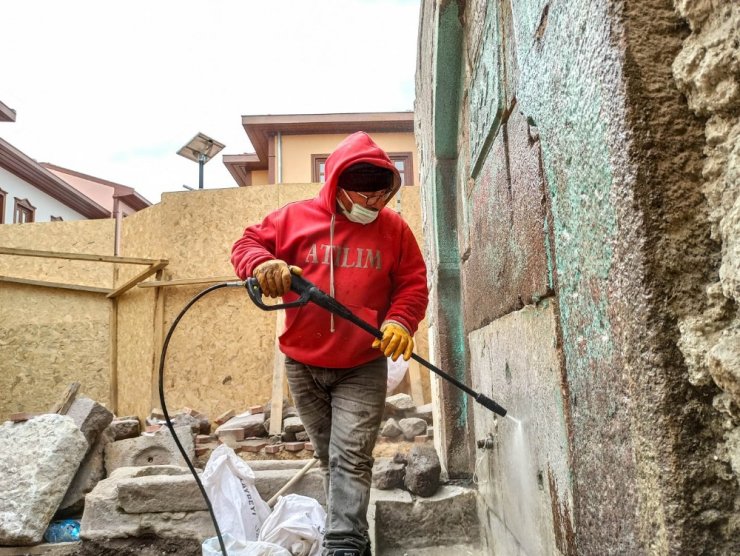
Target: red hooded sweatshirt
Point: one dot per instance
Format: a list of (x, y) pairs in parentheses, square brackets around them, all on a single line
[(378, 271)]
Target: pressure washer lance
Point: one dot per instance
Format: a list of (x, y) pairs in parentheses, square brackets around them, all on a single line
[(309, 292)]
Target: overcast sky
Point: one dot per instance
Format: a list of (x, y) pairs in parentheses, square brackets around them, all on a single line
[(115, 88)]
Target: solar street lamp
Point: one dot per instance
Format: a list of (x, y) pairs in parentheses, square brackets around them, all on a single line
[(201, 149)]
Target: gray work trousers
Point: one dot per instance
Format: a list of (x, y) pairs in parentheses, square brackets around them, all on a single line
[(341, 410)]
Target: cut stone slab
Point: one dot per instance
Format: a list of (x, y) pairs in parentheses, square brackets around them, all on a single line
[(253, 425), (40, 458), (160, 493), (159, 449), (104, 518)]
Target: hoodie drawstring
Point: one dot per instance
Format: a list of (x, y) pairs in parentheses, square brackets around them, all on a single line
[(331, 266)]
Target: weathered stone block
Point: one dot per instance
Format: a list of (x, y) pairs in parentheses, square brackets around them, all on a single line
[(91, 417), (412, 427), (90, 472), (159, 449), (105, 519), (423, 471), (40, 458)]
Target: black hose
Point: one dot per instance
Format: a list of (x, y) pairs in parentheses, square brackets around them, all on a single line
[(164, 406)]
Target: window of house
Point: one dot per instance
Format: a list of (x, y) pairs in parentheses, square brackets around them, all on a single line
[(318, 168), (2, 206), (24, 211), (404, 165)]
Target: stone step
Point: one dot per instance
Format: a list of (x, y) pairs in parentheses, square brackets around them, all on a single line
[(446, 523)]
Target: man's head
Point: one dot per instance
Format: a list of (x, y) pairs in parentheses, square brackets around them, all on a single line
[(364, 190)]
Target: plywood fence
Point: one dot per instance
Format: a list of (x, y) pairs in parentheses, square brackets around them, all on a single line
[(101, 320)]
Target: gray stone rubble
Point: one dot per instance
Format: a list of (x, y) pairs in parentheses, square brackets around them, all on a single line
[(125, 481)]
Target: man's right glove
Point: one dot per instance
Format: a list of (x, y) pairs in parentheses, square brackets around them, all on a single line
[(396, 341), (274, 277)]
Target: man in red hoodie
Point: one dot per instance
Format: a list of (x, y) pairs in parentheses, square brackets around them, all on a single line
[(347, 243)]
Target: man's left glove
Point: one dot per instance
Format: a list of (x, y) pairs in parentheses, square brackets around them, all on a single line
[(274, 277), (396, 341)]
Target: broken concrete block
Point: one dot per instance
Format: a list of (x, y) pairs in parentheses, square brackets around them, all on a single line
[(91, 417), (423, 471), (159, 449), (104, 518), (391, 429), (412, 427), (387, 474), (90, 472), (40, 458), (125, 428)]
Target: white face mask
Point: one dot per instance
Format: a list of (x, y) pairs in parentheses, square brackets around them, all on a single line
[(358, 213)]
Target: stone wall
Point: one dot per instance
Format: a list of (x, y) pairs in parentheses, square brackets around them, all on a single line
[(574, 243)]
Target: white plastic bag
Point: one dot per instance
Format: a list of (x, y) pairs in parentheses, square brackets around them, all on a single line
[(396, 371), (297, 523), (229, 483), (237, 548)]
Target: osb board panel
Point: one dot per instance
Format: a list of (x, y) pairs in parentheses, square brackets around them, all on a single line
[(135, 352), (48, 339), (93, 237), (221, 355)]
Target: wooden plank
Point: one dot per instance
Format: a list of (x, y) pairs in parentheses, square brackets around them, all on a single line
[(113, 339), (138, 278), (59, 285), (76, 256), (158, 327), (187, 282), (417, 390), (63, 405), (278, 376)]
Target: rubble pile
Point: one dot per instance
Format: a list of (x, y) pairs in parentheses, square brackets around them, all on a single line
[(80, 461)]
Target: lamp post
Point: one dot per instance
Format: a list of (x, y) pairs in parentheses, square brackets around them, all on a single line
[(201, 149)]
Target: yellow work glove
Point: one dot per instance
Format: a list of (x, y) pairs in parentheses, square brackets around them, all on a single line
[(274, 277), (396, 341)]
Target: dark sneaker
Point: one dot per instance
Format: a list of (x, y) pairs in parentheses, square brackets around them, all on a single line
[(346, 552)]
